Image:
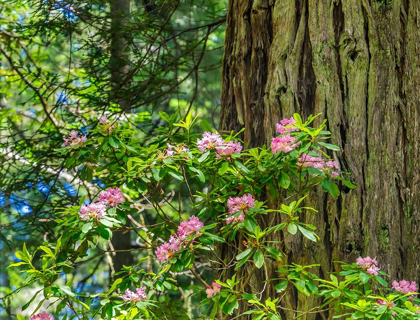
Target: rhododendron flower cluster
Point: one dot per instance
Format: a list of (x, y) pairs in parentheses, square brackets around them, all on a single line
[(172, 150), (108, 127), (284, 144), (130, 296), (404, 286), (42, 316), (97, 210), (390, 304), (213, 291), (318, 163), (111, 197), (74, 139), (237, 204), (229, 148), (281, 127), (369, 264), (209, 141), (213, 141), (192, 227), (92, 211)]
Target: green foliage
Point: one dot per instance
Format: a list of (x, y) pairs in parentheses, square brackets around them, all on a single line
[(169, 161)]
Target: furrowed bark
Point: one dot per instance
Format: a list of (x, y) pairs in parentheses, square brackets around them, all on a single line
[(357, 64), (119, 66)]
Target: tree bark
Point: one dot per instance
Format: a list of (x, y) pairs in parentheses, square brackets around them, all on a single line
[(357, 64), (119, 63), (119, 67)]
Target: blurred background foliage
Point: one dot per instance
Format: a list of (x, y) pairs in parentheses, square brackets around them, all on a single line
[(63, 64)]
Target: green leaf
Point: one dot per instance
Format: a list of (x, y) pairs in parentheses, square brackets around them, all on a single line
[(336, 293), (364, 277), (114, 142), (204, 156), (164, 116), (17, 264), (273, 252), (381, 281), (244, 258), (175, 174), (280, 226), (259, 259), (114, 285), (292, 228), (106, 222), (298, 119), (308, 234), (30, 301), (158, 173), (206, 126), (243, 254), (200, 174), (281, 286), (250, 223), (348, 184), (232, 305), (284, 180), (223, 168), (66, 290), (212, 237), (20, 255), (330, 187), (241, 166), (329, 146), (314, 171), (86, 227), (104, 232), (249, 296), (47, 251)]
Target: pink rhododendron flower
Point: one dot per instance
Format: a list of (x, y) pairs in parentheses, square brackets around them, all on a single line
[(171, 151), (330, 166), (369, 264), (130, 296), (213, 291), (107, 127), (187, 228), (103, 120), (192, 227), (281, 127), (92, 211), (390, 304), (74, 139), (209, 141), (283, 144), (42, 316), (229, 148), (404, 286), (213, 141), (111, 197), (237, 204), (163, 252)]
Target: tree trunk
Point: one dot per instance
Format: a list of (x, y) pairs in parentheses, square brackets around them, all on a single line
[(357, 64), (119, 66), (119, 63)]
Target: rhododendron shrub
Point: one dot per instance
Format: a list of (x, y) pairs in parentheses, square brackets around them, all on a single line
[(187, 193)]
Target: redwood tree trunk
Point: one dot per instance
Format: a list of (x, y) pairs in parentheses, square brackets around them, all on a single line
[(119, 67), (357, 63)]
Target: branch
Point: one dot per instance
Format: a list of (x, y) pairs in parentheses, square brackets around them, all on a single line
[(33, 87)]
